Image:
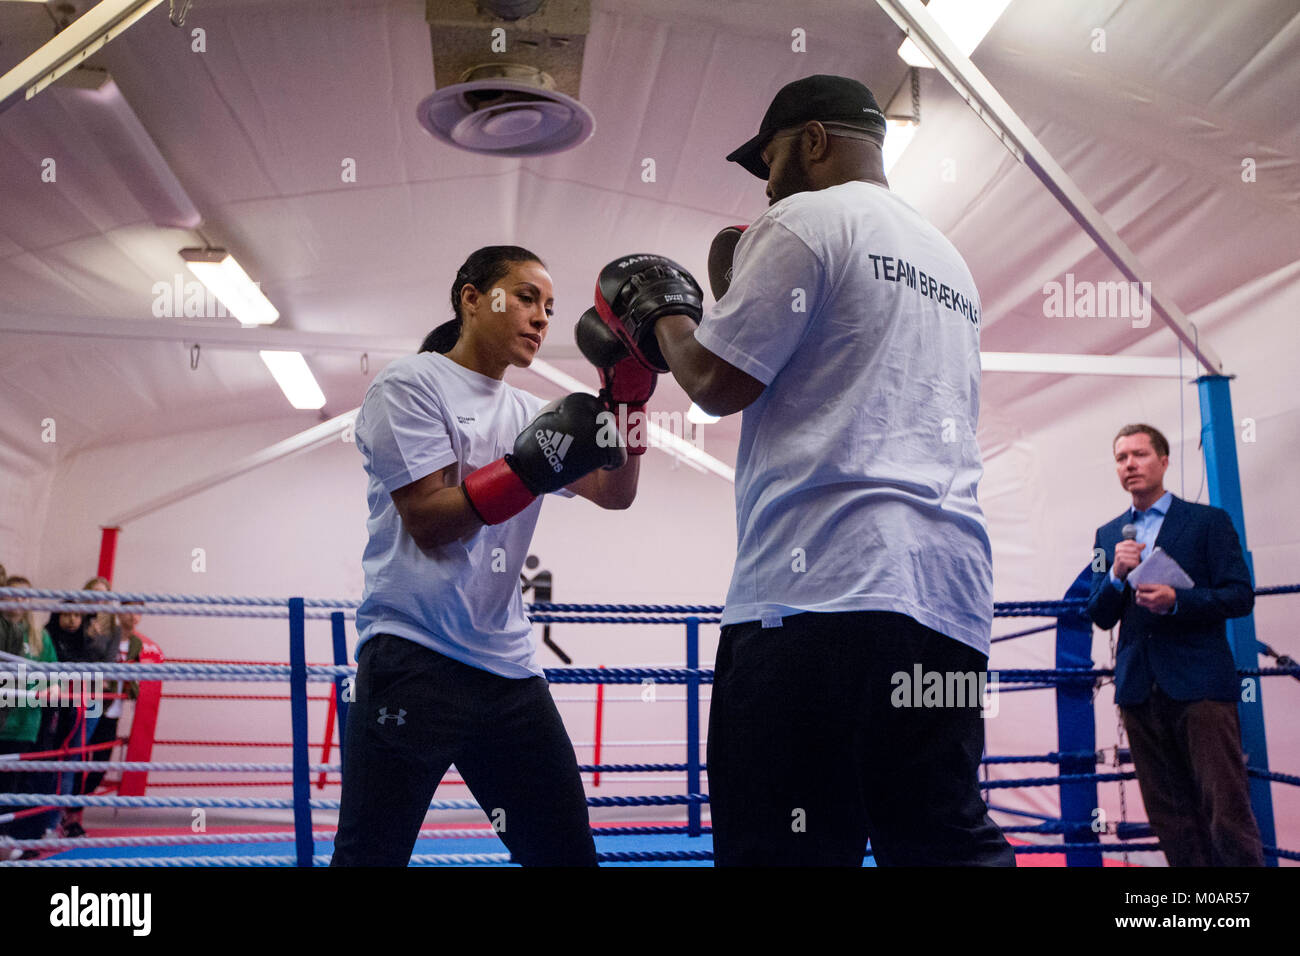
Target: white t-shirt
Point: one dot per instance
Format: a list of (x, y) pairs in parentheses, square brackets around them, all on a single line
[(857, 470), (422, 413)]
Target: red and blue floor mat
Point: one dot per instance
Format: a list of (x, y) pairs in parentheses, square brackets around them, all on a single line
[(425, 846)]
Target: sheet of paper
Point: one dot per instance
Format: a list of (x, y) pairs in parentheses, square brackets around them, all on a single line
[(1159, 568)]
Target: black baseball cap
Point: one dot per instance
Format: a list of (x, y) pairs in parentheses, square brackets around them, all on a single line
[(822, 97)]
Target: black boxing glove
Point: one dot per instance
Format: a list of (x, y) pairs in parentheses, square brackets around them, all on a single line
[(565, 441), (634, 292)]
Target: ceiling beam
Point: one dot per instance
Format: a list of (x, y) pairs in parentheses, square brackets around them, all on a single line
[(989, 105), (339, 428), (233, 337), (1050, 363), (70, 47), (327, 432), (227, 335)]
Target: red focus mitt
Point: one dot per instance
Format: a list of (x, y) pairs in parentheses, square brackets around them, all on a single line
[(624, 381), (722, 254)]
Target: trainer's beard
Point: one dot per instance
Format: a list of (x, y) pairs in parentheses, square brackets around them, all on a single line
[(794, 179)]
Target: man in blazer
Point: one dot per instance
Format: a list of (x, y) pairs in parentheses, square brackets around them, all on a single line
[(1176, 682)]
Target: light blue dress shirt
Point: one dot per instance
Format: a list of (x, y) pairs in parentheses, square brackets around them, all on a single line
[(1148, 525)]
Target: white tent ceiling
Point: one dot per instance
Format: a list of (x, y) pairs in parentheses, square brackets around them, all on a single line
[(1154, 131)]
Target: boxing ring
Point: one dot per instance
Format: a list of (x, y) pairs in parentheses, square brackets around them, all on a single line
[(1076, 758)]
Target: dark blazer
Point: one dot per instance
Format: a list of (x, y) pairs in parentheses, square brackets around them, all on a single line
[(1185, 652)]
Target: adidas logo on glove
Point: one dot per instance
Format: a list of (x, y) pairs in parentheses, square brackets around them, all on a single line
[(554, 445)]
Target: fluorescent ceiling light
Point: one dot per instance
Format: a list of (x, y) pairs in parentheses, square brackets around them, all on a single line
[(699, 416), (966, 22), (218, 270), (897, 138), (294, 378)]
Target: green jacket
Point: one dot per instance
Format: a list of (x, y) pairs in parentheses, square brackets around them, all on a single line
[(24, 723)]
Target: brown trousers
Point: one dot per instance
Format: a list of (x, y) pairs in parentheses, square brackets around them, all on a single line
[(1192, 775)]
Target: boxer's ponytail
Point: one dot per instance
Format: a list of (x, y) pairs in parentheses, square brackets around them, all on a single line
[(483, 268)]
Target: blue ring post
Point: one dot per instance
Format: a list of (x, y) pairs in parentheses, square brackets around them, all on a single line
[(693, 725), (298, 718), (1076, 730), (340, 636), (1219, 440)]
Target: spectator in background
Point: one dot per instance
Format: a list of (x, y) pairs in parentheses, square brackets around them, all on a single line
[(68, 631), (101, 627), (21, 731), (10, 642), (62, 729), (130, 645), (76, 642), (127, 645)]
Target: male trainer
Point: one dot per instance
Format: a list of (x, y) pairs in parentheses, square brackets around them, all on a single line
[(849, 336)]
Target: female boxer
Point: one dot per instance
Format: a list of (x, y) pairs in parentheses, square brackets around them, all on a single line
[(447, 667)]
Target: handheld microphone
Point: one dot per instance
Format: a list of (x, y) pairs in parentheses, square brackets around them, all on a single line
[(1129, 532)]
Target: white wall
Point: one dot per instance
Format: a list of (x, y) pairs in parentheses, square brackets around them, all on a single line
[(24, 493)]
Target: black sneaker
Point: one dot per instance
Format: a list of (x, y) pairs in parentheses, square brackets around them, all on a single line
[(30, 855), (73, 830)]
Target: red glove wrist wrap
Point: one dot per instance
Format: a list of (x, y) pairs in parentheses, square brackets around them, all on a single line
[(496, 493), (638, 426)]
